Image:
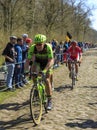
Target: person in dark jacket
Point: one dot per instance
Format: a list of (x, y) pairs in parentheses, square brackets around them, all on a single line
[(10, 54)]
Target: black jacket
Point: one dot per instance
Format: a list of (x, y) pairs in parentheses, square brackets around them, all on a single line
[(9, 51)]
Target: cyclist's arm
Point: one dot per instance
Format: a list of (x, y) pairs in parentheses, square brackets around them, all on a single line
[(80, 57), (50, 58), (9, 58), (49, 64), (30, 54)]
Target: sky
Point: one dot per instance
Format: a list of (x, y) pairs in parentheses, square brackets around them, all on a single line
[(93, 18)]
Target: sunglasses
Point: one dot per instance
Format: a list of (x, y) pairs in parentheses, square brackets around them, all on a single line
[(38, 44)]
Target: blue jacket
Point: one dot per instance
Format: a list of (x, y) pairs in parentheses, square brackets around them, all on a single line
[(24, 51), (18, 49)]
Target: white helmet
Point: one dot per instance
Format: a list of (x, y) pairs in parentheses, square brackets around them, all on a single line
[(13, 37), (25, 35)]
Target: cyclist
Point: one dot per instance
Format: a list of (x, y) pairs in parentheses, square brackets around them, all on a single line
[(41, 55), (74, 53)]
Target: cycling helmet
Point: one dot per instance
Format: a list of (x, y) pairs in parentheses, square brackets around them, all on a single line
[(74, 42), (39, 38), (29, 40)]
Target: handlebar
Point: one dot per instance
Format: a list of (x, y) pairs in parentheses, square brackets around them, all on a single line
[(73, 62), (35, 74)]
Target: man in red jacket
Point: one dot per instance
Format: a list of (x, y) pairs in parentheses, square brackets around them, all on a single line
[(74, 53)]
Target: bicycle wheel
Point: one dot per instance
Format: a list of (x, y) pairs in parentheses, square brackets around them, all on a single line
[(35, 105)]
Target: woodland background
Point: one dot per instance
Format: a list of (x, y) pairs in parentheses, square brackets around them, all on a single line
[(51, 17)]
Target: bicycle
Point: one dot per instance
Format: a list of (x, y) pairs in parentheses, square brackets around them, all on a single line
[(73, 72), (38, 98)]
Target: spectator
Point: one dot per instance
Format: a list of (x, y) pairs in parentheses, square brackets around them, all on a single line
[(24, 56), (61, 46), (29, 43), (57, 56), (54, 44), (18, 66), (10, 54), (66, 46)]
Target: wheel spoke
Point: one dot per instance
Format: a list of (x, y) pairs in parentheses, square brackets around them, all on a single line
[(35, 106)]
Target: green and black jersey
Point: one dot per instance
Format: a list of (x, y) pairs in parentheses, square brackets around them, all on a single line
[(42, 56)]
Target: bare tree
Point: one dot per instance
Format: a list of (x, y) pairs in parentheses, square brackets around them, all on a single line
[(49, 13), (48, 17), (12, 14)]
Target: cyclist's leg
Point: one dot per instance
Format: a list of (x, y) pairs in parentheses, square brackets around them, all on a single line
[(69, 67), (52, 81), (35, 67), (51, 78), (48, 84), (76, 68), (49, 89)]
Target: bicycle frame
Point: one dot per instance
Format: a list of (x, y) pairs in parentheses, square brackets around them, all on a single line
[(73, 72), (39, 83), (37, 96)]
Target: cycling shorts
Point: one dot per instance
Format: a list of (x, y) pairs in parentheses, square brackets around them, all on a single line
[(38, 68), (73, 58)]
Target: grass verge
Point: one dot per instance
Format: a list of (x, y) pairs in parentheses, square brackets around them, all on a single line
[(6, 95)]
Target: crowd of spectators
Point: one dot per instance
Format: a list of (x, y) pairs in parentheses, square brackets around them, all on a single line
[(60, 48), (15, 54)]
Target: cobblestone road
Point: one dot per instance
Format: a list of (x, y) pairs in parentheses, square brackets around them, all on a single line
[(72, 109)]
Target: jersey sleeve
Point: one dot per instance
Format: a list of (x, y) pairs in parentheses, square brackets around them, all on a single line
[(49, 51), (31, 52), (80, 50)]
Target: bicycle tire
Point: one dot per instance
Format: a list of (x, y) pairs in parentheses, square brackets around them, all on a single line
[(35, 105)]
